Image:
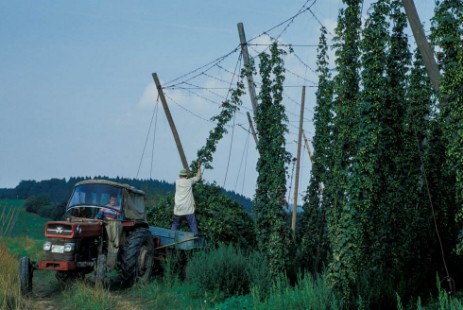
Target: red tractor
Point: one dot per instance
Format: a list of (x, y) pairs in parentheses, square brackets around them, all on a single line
[(105, 229)]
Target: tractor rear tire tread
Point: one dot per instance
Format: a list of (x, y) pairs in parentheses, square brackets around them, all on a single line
[(138, 247)]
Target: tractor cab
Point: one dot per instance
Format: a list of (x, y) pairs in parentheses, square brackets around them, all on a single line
[(96, 198)]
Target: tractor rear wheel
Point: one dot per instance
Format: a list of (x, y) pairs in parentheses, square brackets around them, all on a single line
[(25, 275), (137, 256)]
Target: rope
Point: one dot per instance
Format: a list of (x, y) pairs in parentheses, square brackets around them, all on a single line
[(237, 66), (246, 144), (447, 278), (230, 149), (154, 137), (147, 136)]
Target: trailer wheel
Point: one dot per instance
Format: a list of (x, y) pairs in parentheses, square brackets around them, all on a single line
[(137, 256), (25, 275)]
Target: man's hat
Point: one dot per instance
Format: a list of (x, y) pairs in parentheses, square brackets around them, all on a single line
[(183, 173)]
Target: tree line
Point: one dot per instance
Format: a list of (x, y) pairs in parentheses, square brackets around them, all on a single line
[(48, 198)]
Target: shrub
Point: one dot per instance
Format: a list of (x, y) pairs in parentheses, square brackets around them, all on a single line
[(228, 270), (219, 218), (34, 203), (43, 206), (308, 293)]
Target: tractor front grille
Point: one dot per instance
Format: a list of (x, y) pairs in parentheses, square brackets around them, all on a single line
[(57, 252), (59, 229)]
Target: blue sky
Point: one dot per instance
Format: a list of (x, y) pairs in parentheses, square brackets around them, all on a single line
[(77, 96)]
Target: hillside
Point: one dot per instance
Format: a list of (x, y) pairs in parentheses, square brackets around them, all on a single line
[(59, 190)]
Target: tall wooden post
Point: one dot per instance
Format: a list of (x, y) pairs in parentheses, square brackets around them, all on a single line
[(244, 49), (171, 122), (306, 141), (321, 186), (252, 127), (298, 160), (422, 43)]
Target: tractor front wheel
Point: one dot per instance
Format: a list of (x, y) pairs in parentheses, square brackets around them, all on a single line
[(137, 256), (25, 275), (101, 279)]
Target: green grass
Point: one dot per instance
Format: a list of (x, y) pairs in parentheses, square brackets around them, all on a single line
[(11, 202), (25, 224)]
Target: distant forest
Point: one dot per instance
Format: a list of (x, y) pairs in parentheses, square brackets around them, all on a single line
[(59, 190)]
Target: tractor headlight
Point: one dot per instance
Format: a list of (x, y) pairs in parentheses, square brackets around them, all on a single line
[(69, 247), (47, 246)]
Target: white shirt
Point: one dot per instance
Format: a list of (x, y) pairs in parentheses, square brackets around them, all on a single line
[(184, 200)]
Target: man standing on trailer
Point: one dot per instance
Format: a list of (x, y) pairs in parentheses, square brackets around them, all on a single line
[(184, 200)]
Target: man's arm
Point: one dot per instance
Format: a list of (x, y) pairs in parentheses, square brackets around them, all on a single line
[(197, 177)]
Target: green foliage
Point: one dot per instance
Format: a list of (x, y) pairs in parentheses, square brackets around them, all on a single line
[(23, 223), (308, 293), (346, 88), (43, 206), (236, 302), (228, 270), (377, 177), (447, 31), (312, 233), (34, 203), (229, 107), (82, 296), (271, 226), (165, 296), (219, 218)]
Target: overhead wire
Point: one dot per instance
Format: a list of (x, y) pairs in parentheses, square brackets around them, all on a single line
[(154, 138), (288, 21), (210, 64), (230, 150), (246, 144), (185, 109), (237, 66), (147, 137), (184, 82)]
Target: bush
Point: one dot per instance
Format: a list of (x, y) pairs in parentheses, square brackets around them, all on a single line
[(307, 293), (219, 218), (43, 206), (228, 270), (34, 203)]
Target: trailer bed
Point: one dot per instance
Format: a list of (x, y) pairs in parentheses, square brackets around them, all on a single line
[(181, 240)]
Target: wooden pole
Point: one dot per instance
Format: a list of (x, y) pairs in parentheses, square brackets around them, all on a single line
[(422, 43), (298, 160), (306, 141), (244, 49), (321, 186), (171, 122), (252, 127)]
